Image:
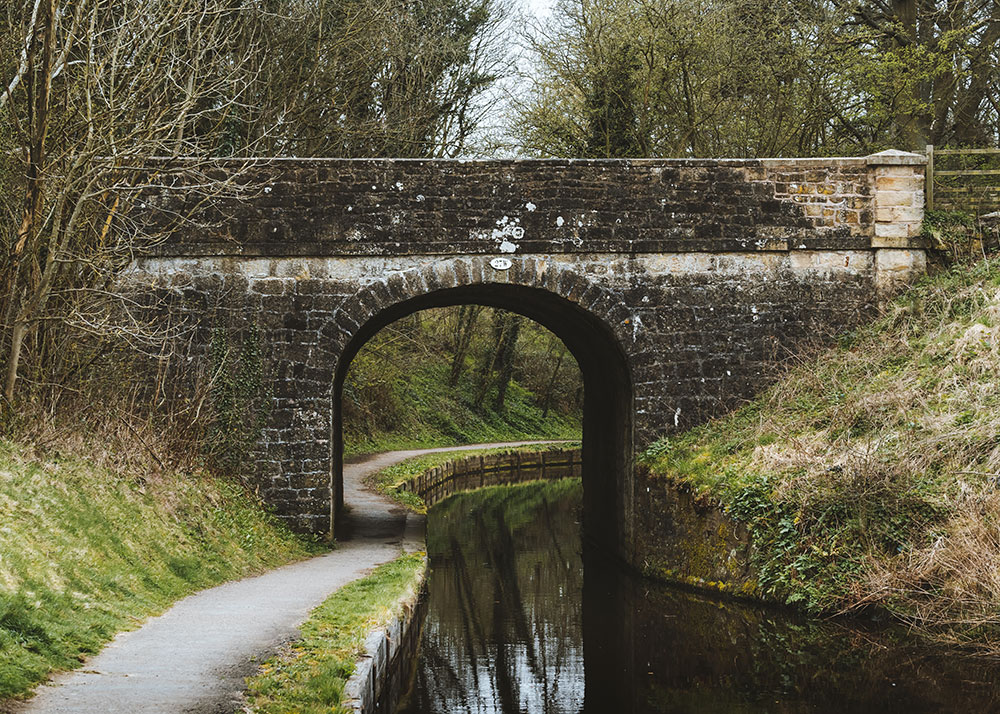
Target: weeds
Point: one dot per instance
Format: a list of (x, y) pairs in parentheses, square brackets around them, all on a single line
[(867, 473)]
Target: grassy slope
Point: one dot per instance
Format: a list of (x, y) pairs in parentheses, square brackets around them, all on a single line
[(86, 552), (433, 414), (311, 677), (397, 396), (870, 475), (388, 480)]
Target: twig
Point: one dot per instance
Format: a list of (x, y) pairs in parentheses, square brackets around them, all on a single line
[(142, 441)]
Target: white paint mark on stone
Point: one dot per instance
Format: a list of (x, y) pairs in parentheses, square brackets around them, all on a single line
[(501, 263), (677, 417), (529, 206), (560, 221), (506, 233), (374, 187), (267, 189), (636, 325)]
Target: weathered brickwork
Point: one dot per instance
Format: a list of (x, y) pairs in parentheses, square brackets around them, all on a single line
[(678, 285)]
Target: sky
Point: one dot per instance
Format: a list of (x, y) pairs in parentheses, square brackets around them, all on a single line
[(539, 7)]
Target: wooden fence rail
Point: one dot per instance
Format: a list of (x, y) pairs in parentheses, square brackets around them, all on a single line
[(956, 180), (472, 472)]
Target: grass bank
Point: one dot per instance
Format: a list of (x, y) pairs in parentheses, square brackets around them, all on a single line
[(426, 412), (870, 476), (87, 551), (411, 386), (310, 677), (388, 480)]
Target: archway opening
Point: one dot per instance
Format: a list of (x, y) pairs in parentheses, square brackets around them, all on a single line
[(607, 396)]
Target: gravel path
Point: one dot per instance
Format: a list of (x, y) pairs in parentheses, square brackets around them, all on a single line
[(194, 657)]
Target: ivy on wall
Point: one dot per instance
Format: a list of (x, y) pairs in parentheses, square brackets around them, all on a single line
[(239, 401)]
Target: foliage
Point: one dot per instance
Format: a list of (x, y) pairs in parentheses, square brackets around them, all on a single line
[(750, 78), (868, 474), (954, 232), (311, 677), (379, 77), (93, 90), (87, 551), (399, 392)]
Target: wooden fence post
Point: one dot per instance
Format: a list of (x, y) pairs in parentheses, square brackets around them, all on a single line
[(929, 178)]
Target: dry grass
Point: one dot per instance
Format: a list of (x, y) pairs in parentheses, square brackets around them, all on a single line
[(885, 454)]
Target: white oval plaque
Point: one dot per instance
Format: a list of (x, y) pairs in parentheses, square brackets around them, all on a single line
[(501, 263)]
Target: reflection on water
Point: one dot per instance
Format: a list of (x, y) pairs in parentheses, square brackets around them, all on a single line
[(514, 626)]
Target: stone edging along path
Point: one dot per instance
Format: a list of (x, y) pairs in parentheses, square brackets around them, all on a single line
[(194, 658)]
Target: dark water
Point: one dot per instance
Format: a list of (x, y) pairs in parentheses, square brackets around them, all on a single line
[(517, 623)]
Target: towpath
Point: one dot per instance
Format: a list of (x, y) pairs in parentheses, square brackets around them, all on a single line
[(194, 657)]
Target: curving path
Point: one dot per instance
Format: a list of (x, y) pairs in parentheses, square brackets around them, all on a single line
[(194, 657)]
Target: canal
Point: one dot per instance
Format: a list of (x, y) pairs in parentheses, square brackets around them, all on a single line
[(519, 619)]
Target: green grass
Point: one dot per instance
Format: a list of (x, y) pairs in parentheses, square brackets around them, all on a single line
[(388, 480), (403, 401), (868, 475), (311, 677), (86, 552)]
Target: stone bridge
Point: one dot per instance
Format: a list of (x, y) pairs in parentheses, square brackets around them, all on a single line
[(678, 285)]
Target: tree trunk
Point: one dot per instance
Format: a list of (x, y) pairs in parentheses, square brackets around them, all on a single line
[(468, 315), (552, 381), (507, 351), (911, 120), (490, 359), (38, 87)]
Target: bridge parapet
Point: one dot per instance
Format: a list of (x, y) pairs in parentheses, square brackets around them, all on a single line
[(386, 207)]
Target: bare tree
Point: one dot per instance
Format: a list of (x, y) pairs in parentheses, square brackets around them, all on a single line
[(97, 88), (92, 91)]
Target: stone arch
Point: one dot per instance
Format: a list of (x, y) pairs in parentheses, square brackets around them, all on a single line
[(591, 322)]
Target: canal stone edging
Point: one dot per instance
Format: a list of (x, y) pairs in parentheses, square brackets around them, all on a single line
[(690, 539), (381, 673), (464, 474)]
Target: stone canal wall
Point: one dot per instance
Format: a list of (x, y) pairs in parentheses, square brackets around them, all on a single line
[(686, 538), (382, 674)]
